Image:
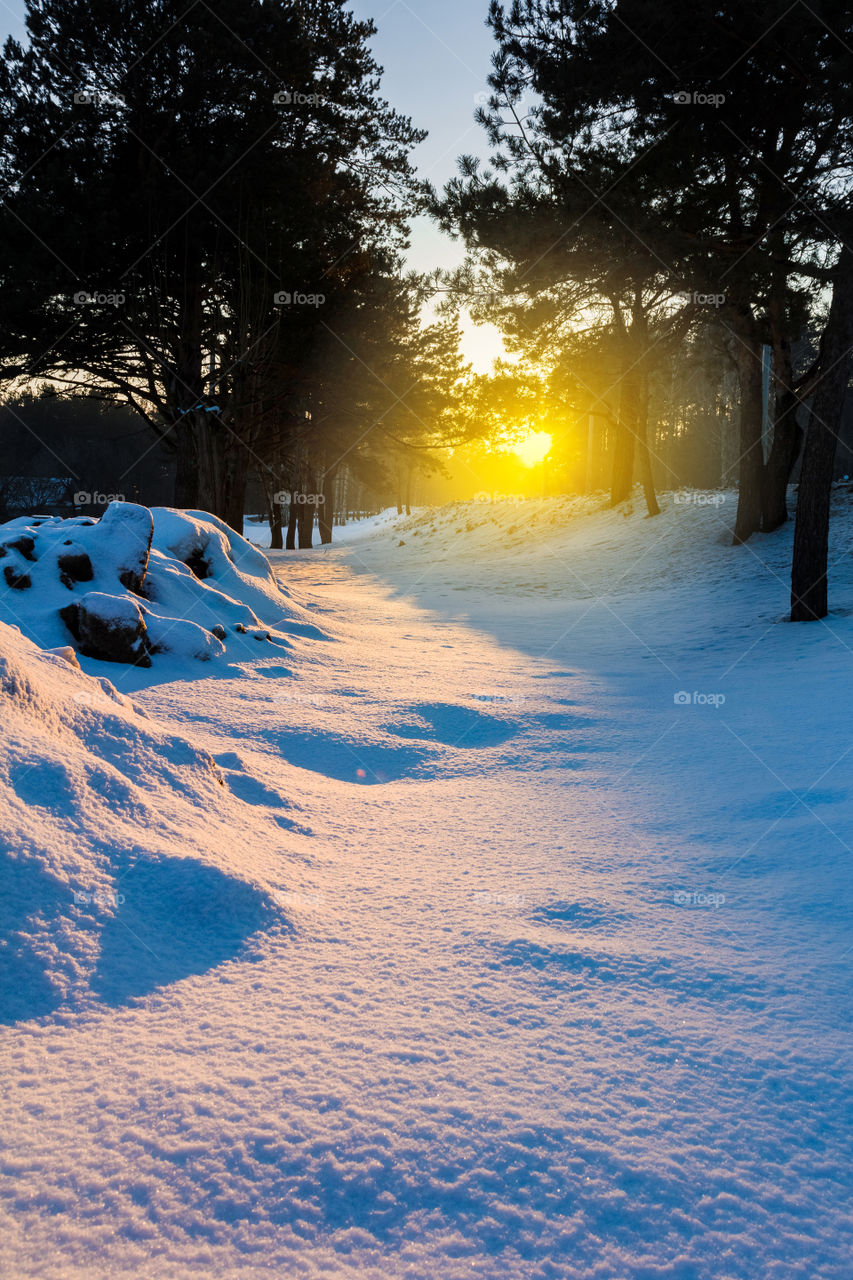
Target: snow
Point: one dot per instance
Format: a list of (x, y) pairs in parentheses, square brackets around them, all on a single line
[(448, 940), (184, 579)]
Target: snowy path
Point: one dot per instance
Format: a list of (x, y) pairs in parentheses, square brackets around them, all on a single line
[(488, 1038)]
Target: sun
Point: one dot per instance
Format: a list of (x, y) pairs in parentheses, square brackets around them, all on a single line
[(533, 448)]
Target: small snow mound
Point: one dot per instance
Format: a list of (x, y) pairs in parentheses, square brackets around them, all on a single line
[(115, 858), (138, 583), (67, 654)]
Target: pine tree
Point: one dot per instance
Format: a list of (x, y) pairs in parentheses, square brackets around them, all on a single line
[(700, 147), (214, 177)]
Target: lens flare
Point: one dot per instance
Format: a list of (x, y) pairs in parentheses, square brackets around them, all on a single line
[(533, 448)]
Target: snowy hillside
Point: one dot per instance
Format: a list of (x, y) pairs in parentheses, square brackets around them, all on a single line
[(496, 927)]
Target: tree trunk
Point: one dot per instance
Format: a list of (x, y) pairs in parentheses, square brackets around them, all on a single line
[(327, 506), (644, 461), (185, 391), (748, 360), (811, 532), (274, 509), (787, 434), (186, 467), (787, 439), (305, 526), (210, 440), (622, 477), (236, 475), (292, 515)]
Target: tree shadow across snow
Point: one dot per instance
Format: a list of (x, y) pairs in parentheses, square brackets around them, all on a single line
[(172, 918)]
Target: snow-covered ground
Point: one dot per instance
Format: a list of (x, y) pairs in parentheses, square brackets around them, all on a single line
[(497, 925)]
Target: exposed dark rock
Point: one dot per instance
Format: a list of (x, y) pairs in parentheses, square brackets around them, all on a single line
[(25, 545), (197, 562), (70, 615), (20, 581), (108, 627), (218, 630), (75, 567)]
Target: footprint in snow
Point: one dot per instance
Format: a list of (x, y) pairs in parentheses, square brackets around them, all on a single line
[(579, 915)]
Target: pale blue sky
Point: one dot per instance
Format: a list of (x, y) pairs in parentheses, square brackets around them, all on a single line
[(436, 55)]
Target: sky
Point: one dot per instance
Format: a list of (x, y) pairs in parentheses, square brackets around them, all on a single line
[(436, 55)]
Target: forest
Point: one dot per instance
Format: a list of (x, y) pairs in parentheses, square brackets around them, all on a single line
[(205, 220)]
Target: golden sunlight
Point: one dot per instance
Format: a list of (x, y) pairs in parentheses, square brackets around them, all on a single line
[(533, 448)]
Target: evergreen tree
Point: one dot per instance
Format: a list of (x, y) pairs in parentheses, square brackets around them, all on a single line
[(699, 149), (188, 192)]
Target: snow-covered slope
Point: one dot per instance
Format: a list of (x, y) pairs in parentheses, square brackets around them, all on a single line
[(540, 958), (116, 834)]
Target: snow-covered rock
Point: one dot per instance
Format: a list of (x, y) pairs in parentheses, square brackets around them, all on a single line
[(108, 627), (138, 583)]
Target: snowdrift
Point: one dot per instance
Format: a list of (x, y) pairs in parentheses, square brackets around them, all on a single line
[(138, 583), (114, 849)]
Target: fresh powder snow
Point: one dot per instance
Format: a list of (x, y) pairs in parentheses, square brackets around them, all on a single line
[(475, 906)]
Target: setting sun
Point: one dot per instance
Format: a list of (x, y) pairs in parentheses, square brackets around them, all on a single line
[(533, 448)]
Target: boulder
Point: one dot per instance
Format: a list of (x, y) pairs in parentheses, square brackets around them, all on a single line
[(18, 581), (111, 628), (123, 539), (74, 566)]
